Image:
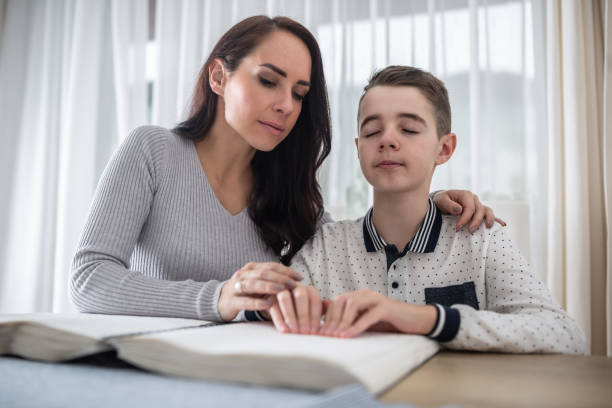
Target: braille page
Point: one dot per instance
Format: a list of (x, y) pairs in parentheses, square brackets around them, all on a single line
[(258, 353)]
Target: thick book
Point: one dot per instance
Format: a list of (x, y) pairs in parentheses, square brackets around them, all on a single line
[(253, 352)]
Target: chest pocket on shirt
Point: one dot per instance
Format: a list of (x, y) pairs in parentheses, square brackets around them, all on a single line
[(451, 295)]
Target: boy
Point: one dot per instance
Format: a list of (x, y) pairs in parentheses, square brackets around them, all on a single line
[(403, 266)]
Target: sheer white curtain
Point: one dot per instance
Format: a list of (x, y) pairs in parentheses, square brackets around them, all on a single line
[(64, 93)]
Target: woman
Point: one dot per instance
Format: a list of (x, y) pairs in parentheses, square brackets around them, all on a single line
[(178, 213)]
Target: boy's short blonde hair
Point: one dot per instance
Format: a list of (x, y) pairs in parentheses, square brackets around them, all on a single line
[(431, 87)]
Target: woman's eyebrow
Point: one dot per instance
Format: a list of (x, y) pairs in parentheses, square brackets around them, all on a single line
[(283, 73)]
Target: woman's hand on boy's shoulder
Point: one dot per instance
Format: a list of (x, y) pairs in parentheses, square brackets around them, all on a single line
[(468, 205), (352, 313)]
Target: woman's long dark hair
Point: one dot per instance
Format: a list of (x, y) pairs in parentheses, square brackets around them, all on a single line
[(286, 202)]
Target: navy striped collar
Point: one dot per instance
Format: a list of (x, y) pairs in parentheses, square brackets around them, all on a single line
[(424, 241)]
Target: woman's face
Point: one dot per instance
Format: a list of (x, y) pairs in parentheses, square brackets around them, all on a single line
[(263, 96)]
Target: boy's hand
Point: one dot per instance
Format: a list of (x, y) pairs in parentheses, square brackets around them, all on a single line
[(353, 313), (455, 202), (297, 311)]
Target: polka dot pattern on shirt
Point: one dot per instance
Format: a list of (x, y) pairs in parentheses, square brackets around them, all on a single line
[(516, 311)]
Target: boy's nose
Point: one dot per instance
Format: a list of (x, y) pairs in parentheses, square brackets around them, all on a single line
[(388, 141)]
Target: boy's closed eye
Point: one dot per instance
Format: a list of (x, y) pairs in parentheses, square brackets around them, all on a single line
[(373, 132), (371, 129), (409, 131), (412, 126)]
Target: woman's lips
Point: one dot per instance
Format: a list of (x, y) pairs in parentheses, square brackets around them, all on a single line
[(273, 128)]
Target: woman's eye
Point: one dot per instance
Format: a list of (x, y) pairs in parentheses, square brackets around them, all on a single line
[(266, 82), (298, 97)]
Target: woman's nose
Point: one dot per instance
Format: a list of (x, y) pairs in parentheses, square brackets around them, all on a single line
[(284, 104)]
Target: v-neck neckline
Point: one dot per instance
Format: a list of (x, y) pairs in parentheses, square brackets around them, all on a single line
[(212, 190)]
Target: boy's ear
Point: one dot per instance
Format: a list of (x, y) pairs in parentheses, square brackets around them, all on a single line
[(447, 145), (357, 146), (216, 76)]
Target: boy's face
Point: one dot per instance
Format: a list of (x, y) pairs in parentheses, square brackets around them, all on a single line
[(398, 145)]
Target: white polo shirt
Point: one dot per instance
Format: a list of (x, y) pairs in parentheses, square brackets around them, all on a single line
[(487, 299)]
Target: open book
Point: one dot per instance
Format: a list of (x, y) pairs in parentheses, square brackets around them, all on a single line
[(243, 352)]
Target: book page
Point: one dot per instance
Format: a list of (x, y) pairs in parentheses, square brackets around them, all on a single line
[(98, 326), (375, 359)]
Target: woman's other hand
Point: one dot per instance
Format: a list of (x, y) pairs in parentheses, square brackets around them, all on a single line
[(254, 286), (455, 202)]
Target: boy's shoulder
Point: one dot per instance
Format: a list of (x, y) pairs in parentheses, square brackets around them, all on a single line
[(449, 230), (340, 228), (338, 233)]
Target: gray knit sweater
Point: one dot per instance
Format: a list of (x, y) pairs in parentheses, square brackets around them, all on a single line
[(157, 241)]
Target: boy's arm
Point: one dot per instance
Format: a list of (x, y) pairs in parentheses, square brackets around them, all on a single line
[(521, 314), (303, 263)]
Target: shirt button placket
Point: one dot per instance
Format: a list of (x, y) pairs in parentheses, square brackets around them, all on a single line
[(393, 281)]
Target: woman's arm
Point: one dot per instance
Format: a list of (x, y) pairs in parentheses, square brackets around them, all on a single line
[(104, 281), (101, 280)]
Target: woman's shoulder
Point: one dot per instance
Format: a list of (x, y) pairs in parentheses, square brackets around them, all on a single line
[(154, 141), (150, 135)]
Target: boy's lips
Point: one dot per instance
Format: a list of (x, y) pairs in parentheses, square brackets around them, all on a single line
[(388, 164)]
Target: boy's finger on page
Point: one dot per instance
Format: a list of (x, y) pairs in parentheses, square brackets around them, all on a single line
[(351, 310), (302, 309), (366, 320), (332, 318), (326, 303), (316, 308), (285, 302), (502, 222), (329, 310), (277, 319)]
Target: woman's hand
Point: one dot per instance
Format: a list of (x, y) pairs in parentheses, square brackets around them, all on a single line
[(463, 202), (297, 311), (253, 288), (352, 313)]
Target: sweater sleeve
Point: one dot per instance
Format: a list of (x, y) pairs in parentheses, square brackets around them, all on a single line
[(101, 278), (521, 315)]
